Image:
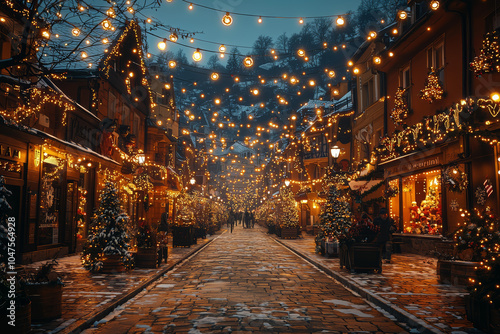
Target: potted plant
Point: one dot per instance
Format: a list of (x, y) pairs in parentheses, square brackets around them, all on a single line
[(364, 254), (481, 236), (147, 250), (289, 215), (183, 224), (107, 246), (44, 288)]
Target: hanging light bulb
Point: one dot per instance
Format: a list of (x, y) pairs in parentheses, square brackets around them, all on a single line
[(84, 54), (222, 48), (227, 20), (173, 37), (331, 73), (75, 32), (301, 53), (301, 21), (255, 91), (312, 83), (355, 71), (402, 15), (340, 21), (111, 12), (293, 80), (191, 40), (217, 101), (172, 64), (373, 34), (248, 62), (197, 56), (434, 4), (190, 7), (106, 24), (214, 76), (377, 60), (221, 55), (260, 19), (162, 45)]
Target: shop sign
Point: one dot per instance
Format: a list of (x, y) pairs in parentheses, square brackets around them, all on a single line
[(410, 166)]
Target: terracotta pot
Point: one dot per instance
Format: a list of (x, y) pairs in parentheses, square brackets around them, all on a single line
[(46, 300)]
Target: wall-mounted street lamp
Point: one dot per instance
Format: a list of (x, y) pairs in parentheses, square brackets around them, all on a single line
[(192, 181), (287, 182), (335, 152)]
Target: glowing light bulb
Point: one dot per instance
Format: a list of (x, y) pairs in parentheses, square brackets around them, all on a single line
[(172, 64), (377, 60), (45, 34), (227, 20), (197, 56), (312, 83), (301, 21), (301, 53), (214, 76), (173, 37), (217, 101), (340, 21), (190, 7), (106, 24), (162, 45), (75, 32), (434, 5), (355, 71), (260, 19), (495, 97), (402, 15), (222, 48), (84, 54), (248, 62), (331, 74), (255, 91)]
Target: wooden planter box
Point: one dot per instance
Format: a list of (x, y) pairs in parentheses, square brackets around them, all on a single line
[(332, 249), (289, 233), (46, 301), (23, 319), (182, 236), (456, 272), (200, 232), (146, 257), (483, 315), (364, 257), (112, 264)]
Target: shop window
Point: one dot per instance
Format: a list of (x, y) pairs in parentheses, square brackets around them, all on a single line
[(405, 83), (52, 169), (435, 59), (394, 201), (421, 198)]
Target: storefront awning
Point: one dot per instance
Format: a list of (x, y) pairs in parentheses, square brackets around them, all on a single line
[(363, 186)]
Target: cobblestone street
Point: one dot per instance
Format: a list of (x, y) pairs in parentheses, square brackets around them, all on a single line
[(246, 282)]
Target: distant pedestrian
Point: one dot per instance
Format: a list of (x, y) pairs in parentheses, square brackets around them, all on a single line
[(384, 237), (232, 219), (252, 219), (247, 218), (162, 237)]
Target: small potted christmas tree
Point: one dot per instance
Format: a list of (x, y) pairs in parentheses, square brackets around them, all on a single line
[(107, 248), (147, 250), (289, 215), (183, 225)]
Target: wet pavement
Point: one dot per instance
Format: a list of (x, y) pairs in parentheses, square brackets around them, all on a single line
[(86, 295), (248, 282), (245, 282), (409, 284)]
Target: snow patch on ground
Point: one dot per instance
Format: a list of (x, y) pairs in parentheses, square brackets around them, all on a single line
[(345, 303), (354, 312), (165, 286)]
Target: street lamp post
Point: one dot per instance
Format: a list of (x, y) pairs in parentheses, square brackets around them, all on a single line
[(335, 152), (192, 181)]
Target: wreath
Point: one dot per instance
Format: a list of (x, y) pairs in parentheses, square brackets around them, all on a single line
[(392, 191), (455, 179)]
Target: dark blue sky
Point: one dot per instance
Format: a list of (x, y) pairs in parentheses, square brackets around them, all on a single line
[(244, 30)]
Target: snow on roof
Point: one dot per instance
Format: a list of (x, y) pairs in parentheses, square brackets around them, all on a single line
[(312, 104), (344, 103)]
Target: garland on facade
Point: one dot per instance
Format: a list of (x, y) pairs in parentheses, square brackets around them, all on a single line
[(400, 111), (433, 90), (488, 60), (455, 179)]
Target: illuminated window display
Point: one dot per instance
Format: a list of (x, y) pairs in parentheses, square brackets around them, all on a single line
[(421, 203)]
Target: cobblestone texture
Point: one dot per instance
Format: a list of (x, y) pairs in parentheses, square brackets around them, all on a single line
[(244, 282)]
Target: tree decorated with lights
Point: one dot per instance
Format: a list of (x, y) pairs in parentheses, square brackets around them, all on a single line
[(289, 215), (335, 217), (433, 90), (488, 60), (400, 110), (478, 239), (108, 233)]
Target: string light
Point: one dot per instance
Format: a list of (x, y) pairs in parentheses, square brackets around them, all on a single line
[(301, 21), (259, 20), (172, 63), (214, 76), (227, 20), (162, 45), (173, 37), (434, 4), (197, 56), (75, 32), (248, 62), (402, 15), (340, 21), (222, 48), (190, 7)]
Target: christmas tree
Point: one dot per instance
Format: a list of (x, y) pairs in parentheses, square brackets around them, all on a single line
[(432, 90), (185, 210), (289, 217), (108, 233), (335, 218), (488, 60)]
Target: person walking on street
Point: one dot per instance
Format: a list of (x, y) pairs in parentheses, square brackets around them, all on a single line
[(384, 237), (162, 237), (232, 218), (247, 219), (252, 219)]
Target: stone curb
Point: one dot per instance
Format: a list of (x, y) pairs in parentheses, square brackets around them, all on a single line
[(99, 314), (400, 314)]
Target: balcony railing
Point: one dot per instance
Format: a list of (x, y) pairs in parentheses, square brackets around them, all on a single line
[(316, 154)]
